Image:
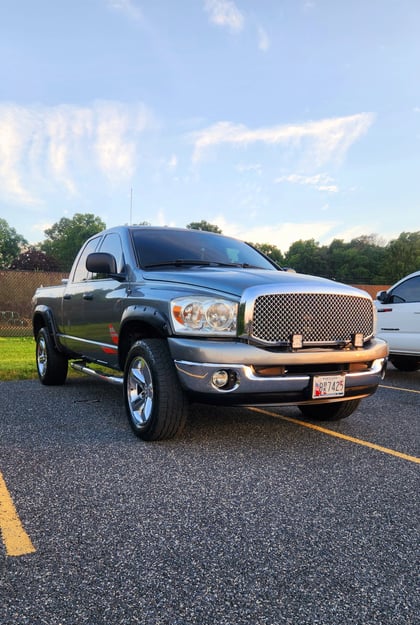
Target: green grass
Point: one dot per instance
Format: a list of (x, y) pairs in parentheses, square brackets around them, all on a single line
[(17, 358)]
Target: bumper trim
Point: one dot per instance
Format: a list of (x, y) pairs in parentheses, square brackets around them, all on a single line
[(234, 352), (251, 389)]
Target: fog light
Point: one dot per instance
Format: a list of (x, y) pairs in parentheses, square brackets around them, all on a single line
[(220, 379)]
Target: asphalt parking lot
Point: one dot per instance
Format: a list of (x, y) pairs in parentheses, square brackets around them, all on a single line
[(249, 517)]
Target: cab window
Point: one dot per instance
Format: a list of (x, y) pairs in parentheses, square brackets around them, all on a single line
[(408, 291), (81, 273), (112, 245)]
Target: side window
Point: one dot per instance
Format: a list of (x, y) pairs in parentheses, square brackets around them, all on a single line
[(112, 245), (408, 291), (81, 273)]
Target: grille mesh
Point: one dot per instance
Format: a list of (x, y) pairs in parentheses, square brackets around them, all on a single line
[(318, 317)]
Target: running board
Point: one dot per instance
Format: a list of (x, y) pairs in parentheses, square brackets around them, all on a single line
[(81, 366)]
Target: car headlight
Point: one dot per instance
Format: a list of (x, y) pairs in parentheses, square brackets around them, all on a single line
[(196, 315)]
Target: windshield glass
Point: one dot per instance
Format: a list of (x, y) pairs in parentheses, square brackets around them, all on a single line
[(160, 246)]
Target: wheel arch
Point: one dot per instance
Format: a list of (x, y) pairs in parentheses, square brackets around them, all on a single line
[(43, 318), (140, 322)]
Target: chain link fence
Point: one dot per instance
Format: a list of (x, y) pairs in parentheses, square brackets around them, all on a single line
[(16, 291)]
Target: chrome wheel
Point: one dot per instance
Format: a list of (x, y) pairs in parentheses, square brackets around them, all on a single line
[(154, 401), (140, 392), (51, 364), (41, 356)]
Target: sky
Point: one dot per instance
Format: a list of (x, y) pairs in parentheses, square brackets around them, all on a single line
[(277, 120)]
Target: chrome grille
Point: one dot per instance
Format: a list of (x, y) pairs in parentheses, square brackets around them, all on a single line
[(319, 317)]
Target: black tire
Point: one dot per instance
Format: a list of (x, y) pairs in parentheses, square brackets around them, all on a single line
[(330, 412), (155, 403), (406, 363), (52, 365)]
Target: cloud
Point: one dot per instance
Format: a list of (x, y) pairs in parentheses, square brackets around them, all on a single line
[(282, 235), (256, 168), (320, 141), (46, 147), (263, 39), (173, 162), (127, 8), (13, 124), (321, 182), (115, 127), (308, 6), (41, 227), (225, 13)]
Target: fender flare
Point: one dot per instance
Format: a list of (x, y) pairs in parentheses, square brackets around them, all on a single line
[(148, 315), (47, 316)]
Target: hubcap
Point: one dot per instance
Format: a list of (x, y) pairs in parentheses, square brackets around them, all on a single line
[(140, 392), (42, 356)]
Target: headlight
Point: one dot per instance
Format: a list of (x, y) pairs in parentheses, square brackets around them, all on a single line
[(204, 315)]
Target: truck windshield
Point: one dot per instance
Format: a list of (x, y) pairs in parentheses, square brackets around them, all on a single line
[(156, 247)]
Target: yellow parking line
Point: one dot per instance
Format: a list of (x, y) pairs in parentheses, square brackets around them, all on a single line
[(16, 540), (358, 441), (398, 388)]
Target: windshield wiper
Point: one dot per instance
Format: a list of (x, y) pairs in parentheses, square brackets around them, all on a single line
[(181, 262)]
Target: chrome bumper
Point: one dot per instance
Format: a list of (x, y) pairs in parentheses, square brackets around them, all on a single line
[(239, 359)]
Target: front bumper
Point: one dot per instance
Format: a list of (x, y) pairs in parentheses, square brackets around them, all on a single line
[(197, 361)]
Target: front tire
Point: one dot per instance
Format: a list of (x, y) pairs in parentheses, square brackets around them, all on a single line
[(52, 365), (330, 412), (155, 403)]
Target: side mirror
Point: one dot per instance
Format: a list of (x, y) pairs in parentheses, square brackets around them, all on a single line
[(382, 296), (101, 262), (104, 263)]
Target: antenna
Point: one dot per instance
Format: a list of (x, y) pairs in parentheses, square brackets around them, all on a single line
[(131, 206)]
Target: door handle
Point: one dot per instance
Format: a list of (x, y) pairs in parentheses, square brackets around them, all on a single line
[(67, 296), (87, 295)]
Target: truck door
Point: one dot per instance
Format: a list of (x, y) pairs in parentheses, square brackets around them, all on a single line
[(93, 305), (73, 300), (104, 304), (399, 319)]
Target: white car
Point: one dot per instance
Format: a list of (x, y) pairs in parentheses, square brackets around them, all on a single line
[(399, 321)]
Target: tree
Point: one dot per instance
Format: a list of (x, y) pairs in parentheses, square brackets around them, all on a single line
[(362, 261), (34, 260), (204, 225), (403, 255), (65, 238), (307, 257), (366, 260), (271, 251), (10, 243)]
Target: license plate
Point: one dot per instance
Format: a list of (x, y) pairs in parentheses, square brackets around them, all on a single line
[(328, 386)]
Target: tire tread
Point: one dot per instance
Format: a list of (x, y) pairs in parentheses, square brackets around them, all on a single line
[(172, 404)]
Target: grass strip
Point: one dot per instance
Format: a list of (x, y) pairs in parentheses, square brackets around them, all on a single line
[(17, 358)]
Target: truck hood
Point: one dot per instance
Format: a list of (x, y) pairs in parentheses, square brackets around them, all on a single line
[(235, 281)]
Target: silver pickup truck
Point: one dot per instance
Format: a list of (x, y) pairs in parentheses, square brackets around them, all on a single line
[(177, 315)]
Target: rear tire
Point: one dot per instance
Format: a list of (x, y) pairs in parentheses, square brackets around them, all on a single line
[(155, 403), (405, 363), (52, 365), (330, 412)]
